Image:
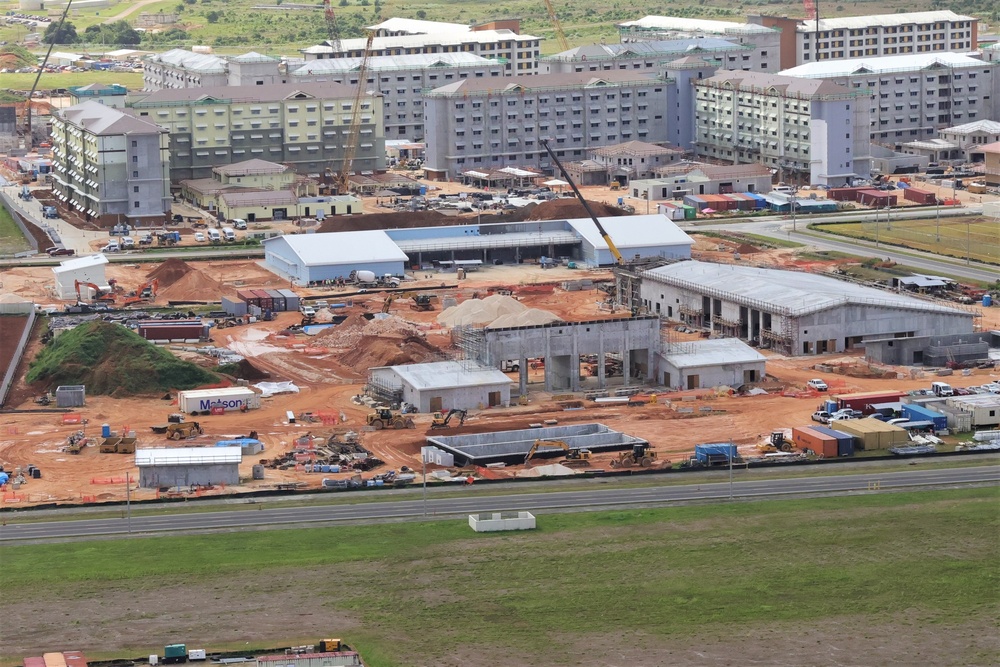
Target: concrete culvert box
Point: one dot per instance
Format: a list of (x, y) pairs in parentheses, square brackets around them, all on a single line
[(71, 396), (512, 446)]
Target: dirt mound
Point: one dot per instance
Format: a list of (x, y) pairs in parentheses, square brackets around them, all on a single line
[(111, 359), (372, 352), (356, 329), (245, 370), (562, 209), (747, 249), (192, 286), (169, 272), (390, 221)]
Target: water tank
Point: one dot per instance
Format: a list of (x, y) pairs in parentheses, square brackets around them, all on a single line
[(258, 471)]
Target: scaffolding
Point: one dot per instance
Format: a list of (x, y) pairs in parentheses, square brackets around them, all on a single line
[(382, 389), (471, 341)]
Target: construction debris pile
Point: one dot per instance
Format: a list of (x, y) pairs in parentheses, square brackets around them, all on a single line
[(341, 453), (356, 328), (495, 311)]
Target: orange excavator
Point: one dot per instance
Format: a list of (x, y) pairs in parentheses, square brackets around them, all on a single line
[(99, 294), (144, 293)]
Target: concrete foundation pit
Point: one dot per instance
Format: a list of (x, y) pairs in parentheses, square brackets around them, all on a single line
[(512, 446)]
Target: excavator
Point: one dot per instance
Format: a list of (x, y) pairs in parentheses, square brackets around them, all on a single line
[(99, 294), (419, 301), (641, 455), (441, 420), (573, 456), (143, 293), (388, 302)]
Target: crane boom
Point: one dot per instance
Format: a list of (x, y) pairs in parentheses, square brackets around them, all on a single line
[(354, 130), (586, 205), (28, 141), (560, 35), (332, 27)]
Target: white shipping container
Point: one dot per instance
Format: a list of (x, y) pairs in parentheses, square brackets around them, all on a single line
[(230, 398), (196, 654)]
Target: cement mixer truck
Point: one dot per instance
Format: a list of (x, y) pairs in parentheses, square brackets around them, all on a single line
[(364, 278)]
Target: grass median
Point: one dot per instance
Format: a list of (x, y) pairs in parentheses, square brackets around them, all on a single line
[(430, 593)]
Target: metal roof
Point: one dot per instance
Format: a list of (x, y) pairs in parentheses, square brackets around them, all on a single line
[(987, 126), (633, 231), (532, 82), (205, 63), (681, 24), (641, 49), (790, 293), (882, 20), (478, 242), (408, 61), (712, 352), (415, 41), (449, 374), (341, 247), (102, 120), (418, 27), (180, 456), (824, 69), (78, 263), (761, 82)]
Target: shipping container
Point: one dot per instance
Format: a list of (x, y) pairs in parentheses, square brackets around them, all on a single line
[(696, 202), (175, 653), (234, 306), (919, 196), (872, 433), (54, 659), (920, 413), (171, 329), (249, 297), (263, 299), (277, 301), (821, 444), (843, 194), (75, 659), (877, 198), (201, 401), (845, 441), (719, 452), (292, 300), (865, 400), (34, 661)]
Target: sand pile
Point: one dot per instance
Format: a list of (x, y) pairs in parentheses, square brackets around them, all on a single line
[(169, 272), (192, 286), (355, 329), (487, 312), (372, 351)]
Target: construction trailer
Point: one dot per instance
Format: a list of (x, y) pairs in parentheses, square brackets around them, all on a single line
[(188, 466), (441, 385), (710, 363), (983, 409)]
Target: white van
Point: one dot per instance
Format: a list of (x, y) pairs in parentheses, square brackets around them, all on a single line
[(942, 389), (229, 234), (112, 247), (214, 236), (239, 223), (127, 243)]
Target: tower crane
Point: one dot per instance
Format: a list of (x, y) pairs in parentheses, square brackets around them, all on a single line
[(28, 139), (557, 26), (354, 129)]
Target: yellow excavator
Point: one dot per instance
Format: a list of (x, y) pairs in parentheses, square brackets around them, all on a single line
[(573, 456), (441, 420)]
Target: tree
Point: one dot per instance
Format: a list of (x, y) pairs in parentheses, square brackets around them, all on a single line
[(421, 14), (213, 16), (60, 34)]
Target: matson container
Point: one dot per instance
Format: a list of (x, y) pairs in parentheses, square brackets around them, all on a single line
[(201, 401), (805, 437)]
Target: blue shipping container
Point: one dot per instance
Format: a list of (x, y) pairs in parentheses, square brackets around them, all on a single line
[(845, 441), (916, 413), (703, 452)]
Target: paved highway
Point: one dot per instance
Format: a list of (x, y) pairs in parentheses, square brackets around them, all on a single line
[(479, 500)]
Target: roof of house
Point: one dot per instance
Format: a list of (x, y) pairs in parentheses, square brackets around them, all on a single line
[(418, 27), (711, 352), (180, 456), (107, 88), (987, 126), (102, 120), (212, 186), (785, 85), (205, 63), (633, 231), (650, 48), (416, 41), (341, 247), (790, 293), (252, 57), (518, 84), (274, 92), (449, 374), (870, 20), (634, 148), (883, 64), (410, 61), (989, 148), (254, 166), (681, 24), (78, 263)]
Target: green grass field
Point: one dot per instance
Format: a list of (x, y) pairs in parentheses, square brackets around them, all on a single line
[(954, 237), (11, 238), (131, 80), (906, 570)]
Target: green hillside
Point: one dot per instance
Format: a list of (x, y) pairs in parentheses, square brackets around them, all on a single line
[(112, 360)]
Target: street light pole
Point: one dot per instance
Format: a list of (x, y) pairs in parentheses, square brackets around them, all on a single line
[(423, 465), (128, 501)]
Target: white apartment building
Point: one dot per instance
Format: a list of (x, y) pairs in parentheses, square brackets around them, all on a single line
[(885, 35), (650, 56), (483, 124), (914, 96), (658, 28), (402, 81), (809, 130), (179, 68), (971, 137), (109, 166), (519, 51)]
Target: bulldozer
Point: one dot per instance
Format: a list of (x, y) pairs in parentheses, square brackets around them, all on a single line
[(442, 420), (175, 431), (421, 301), (578, 457), (641, 456), (385, 418)]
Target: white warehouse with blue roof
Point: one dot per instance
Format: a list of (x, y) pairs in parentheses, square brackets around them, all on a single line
[(306, 258), (795, 313)]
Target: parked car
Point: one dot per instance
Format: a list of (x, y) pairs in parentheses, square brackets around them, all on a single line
[(239, 223), (817, 384), (199, 237), (821, 416), (58, 252), (841, 415), (111, 247), (898, 420)]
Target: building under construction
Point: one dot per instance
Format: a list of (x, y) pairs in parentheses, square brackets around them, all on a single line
[(790, 312)]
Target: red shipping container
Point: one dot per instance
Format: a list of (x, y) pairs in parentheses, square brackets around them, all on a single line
[(263, 299), (919, 196), (862, 401), (75, 659), (249, 297), (34, 661), (805, 437)]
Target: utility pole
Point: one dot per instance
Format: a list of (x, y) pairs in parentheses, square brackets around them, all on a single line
[(730, 457), (423, 464), (937, 218), (128, 501), (968, 241)]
